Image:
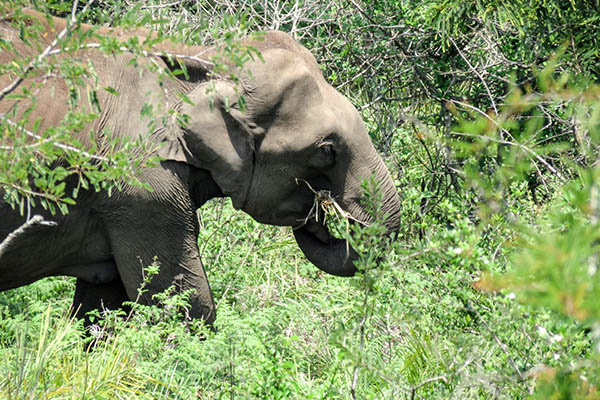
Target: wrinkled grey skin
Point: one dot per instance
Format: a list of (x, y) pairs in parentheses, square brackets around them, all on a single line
[(295, 126)]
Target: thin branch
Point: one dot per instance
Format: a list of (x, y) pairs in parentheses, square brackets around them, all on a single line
[(208, 65), (154, 6), (36, 220), (28, 192), (362, 324), (519, 145), (31, 66), (47, 140), (427, 85), (487, 89), (413, 390), (467, 105), (502, 345)]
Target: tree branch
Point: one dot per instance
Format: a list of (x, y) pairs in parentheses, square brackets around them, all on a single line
[(10, 88), (57, 144), (36, 220)]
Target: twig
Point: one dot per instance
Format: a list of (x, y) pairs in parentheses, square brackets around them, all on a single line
[(10, 88), (502, 345), (57, 144), (239, 267), (503, 141), (36, 220), (175, 3), (207, 64), (519, 145), (413, 389), (32, 193), (489, 93), (427, 85), (363, 321), (487, 89)]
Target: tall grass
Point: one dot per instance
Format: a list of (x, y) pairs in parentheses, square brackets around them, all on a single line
[(51, 360)]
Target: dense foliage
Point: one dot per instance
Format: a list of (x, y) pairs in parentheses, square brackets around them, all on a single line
[(488, 114)]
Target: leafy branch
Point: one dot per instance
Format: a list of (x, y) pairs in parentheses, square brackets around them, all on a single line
[(48, 50)]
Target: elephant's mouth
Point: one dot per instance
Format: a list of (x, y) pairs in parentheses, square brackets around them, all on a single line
[(331, 254)]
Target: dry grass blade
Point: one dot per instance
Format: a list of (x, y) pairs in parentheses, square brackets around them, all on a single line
[(324, 200)]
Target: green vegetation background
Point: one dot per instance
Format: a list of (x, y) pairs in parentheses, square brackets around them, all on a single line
[(488, 115)]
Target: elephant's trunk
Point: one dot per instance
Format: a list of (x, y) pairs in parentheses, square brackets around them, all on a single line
[(333, 255)]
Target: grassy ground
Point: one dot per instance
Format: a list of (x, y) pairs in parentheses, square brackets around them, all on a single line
[(412, 328)]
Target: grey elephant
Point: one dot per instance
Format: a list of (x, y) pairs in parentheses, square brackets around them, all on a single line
[(295, 135)]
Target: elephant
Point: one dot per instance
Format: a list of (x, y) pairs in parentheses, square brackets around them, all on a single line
[(296, 135)]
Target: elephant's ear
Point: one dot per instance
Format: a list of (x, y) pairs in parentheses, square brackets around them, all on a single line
[(216, 136)]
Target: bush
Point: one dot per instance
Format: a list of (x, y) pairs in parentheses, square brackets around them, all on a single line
[(487, 114)]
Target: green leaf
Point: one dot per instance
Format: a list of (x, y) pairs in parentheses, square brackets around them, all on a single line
[(112, 90), (185, 98)]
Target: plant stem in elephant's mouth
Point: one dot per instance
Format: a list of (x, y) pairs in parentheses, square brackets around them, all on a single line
[(326, 211), (326, 220)]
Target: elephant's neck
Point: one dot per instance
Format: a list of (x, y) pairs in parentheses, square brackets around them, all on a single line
[(202, 186)]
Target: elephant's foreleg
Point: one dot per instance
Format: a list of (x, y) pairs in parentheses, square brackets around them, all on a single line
[(159, 227), (179, 265), (104, 296)]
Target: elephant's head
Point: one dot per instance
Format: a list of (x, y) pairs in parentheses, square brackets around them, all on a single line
[(296, 131)]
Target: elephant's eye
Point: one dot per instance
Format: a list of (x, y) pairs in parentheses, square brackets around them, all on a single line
[(325, 156), (327, 149)]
